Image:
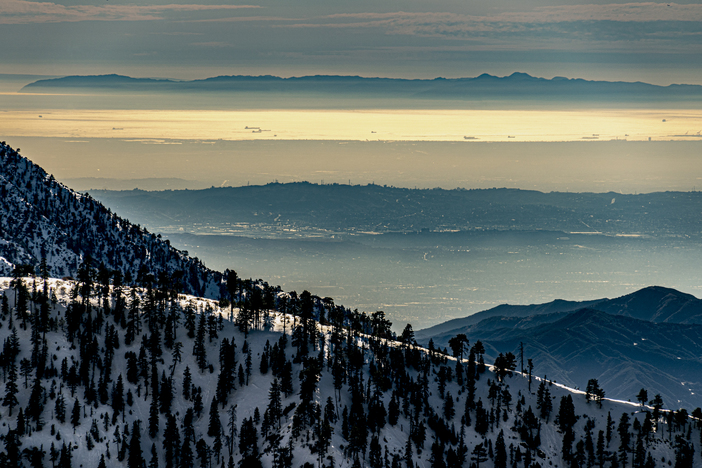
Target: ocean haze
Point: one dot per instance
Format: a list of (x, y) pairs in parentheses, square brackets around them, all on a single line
[(587, 166)]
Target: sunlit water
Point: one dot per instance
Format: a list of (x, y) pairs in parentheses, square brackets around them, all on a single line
[(406, 125)]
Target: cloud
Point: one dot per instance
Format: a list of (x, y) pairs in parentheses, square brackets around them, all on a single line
[(215, 44), (556, 27), (630, 12), (24, 12)]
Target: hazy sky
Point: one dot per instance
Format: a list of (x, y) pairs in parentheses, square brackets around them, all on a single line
[(654, 42)]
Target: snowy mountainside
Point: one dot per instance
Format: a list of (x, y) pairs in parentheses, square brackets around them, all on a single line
[(650, 338), (176, 381), (42, 218)]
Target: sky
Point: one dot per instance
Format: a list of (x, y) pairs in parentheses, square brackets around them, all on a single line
[(658, 43)]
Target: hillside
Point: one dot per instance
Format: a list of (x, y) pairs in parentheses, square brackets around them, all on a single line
[(422, 217), (649, 338), (43, 219), (96, 376), (654, 304)]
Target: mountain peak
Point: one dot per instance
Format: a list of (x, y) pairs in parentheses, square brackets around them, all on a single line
[(657, 304)]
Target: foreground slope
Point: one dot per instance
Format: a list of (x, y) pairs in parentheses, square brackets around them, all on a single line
[(132, 376)]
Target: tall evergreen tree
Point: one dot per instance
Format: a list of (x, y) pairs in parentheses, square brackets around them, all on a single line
[(75, 415), (153, 418), (36, 403), (248, 444), (500, 451), (11, 389), (215, 426), (171, 442), (199, 351), (136, 458)]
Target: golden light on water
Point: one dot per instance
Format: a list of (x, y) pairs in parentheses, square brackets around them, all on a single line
[(361, 125)]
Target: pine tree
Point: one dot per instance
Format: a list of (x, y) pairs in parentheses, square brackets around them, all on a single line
[(36, 403), (624, 438), (500, 451), (199, 351), (165, 394), (11, 387), (231, 425), (479, 455), (187, 383), (248, 444), (135, 459), (133, 319), (393, 410), (203, 452), (566, 417), (75, 415), (60, 408), (449, 410), (118, 396), (197, 402), (642, 396), (20, 429), (600, 449), (546, 405), (286, 380), (274, 409), (171, 441), (437, 455), (154, 457), (408, 453), (153, 418), (65, 457), (657, 404), (214, 427)]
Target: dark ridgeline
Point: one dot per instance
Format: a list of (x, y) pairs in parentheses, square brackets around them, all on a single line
[(410, 216), (515, 86)]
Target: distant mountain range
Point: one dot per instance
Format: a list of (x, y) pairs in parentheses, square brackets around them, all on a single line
[(485, 86), (650, 339), (410, 212)]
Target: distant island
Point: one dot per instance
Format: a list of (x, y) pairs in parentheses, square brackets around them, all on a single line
[(485, 86)]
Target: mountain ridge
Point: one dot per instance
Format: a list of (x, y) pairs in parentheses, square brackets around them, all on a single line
[(43, 219), (652, 303), (617, 341), (483, 86), (386, 209)]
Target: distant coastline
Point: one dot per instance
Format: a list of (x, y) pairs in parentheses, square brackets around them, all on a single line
[(485, 86)]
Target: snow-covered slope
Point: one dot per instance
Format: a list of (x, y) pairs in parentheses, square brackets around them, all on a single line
[(73, 343), (42, 219)]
